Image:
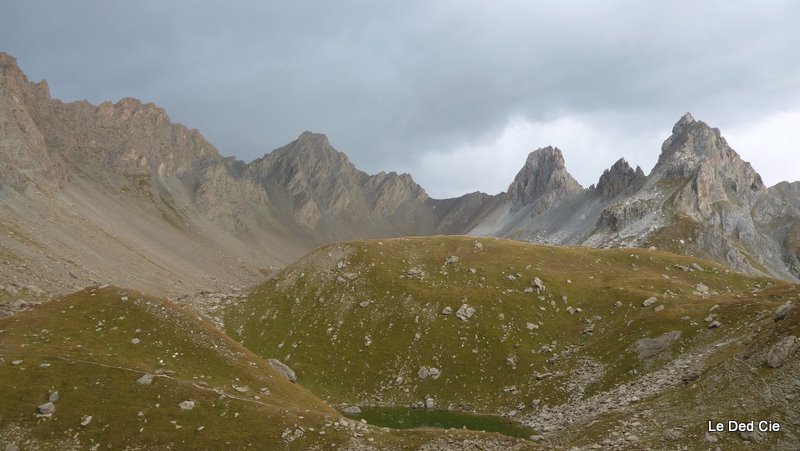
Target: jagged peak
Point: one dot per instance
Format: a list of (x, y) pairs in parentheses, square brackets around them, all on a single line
[(694, 144), (619, 178), (686, 120), (542, 179), (7, 60), (313, 138), (551, 152)]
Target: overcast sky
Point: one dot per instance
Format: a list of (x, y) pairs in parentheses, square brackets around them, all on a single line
[(457, 93)]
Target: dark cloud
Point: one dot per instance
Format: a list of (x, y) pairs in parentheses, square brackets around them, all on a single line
[(396, 85)]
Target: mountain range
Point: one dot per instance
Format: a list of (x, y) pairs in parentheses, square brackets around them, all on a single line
[(117, 193), (559, 317)]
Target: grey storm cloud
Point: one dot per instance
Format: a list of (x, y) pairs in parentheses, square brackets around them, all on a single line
[(410, 85)]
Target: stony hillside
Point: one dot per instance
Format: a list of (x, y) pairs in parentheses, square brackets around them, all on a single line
[(628, 348), (107, 368)]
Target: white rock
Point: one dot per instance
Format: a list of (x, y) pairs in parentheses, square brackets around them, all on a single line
[(186, 405), (465, 312)]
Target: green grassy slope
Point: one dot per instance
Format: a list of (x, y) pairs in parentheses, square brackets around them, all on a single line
[(82, 346), (357, 320)]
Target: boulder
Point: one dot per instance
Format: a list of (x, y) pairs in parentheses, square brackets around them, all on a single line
[(282, 368), (186, 405), (537, 284), (782, 351), (428, 373), (465, 312), (352, 410), (649, 347), (46, 409), (147, 379), (690, 376), (672, 435), (782, 311), (649, 301)]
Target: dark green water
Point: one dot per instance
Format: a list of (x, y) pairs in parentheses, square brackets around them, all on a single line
[(408, 418)]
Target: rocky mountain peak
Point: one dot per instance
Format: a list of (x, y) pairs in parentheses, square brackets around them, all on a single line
[(693, 144), (16, 84), (8, 63), (697, 151), (620, 178), (24, 157), (685, 121), (309, 153), (313, 139), (543, 181)]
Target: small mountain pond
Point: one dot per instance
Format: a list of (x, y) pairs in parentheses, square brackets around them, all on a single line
[(409, 418)]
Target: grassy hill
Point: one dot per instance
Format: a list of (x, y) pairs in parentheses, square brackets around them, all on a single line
[(93, 346), (362, 322)]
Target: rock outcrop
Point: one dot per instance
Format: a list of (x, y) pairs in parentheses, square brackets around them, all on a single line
[(620, 178), (542, 182)]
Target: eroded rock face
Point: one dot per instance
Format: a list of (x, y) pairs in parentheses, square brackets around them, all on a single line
[(620, 178), (24, 156)]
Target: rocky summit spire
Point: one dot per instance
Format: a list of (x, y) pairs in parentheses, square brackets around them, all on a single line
[(696, 150), (620, 178), (686, 120), (543, 181)]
